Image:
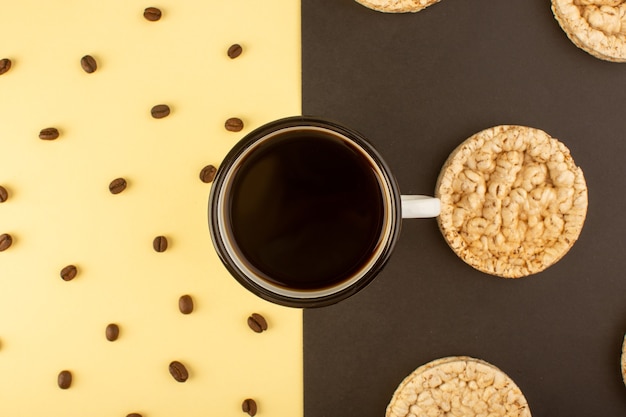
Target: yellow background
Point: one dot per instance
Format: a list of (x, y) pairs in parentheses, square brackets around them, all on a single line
[(61, 212)]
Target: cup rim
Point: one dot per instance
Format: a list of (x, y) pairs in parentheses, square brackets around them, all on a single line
[(314, 298)]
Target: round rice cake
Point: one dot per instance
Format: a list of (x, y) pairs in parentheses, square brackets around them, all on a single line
[(595, 26), (624, 360), (512, 201), (397, 6), (458, 386)]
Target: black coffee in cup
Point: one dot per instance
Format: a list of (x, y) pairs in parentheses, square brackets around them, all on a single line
[(304, 212), (305, 209)]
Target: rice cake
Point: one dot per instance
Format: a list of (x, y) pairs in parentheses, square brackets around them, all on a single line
[(513, 202), (397, 6), (458, 386), (624, 360), (596, 26)]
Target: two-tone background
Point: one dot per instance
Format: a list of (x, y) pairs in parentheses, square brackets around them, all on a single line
[(415, 84)]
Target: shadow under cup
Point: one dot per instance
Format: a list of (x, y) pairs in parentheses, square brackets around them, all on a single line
[(304, 212)]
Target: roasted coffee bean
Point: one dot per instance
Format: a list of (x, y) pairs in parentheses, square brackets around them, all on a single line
[(5, 65), (5, 241), (117, 185), (112, 332), (133, 415), (69, 273), (160, 111), (257, 323), (152, 14), (234, 51), (234, 124), (89, 64), (49, 133), (160, 243), (178, 371), (185, 304), (4, 194), (65, 379), (249, 406), (208, 173)]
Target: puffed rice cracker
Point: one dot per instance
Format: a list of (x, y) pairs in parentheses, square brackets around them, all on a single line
[(624, 360), (595, 26), (512, 201), (397, 6), (458, 386)]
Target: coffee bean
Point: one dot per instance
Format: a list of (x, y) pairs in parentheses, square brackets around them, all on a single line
[(117, 185), (89, 64), (4, 194), (160, 111), (234, 124), (49, 133), (185, 304), (68, 273), (178, 371), (234, 51), (133, 415), (65, 379), (5, 241), (152, 14), (208, 173), (112, 332), (257, 323), (249, 406), (5, 65), (160, 243)]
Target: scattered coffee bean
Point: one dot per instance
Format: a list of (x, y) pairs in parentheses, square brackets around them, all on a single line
[(208, 173), (117, 185), (65, 379), (89, 64), (249, 406), (160, 111), (69, 273), (5, 241), (152, 14), (4, 194), (5, 65), (234, 124), (185, 304), (160, 243), (234, 51), (178, 371), (257, 323), (112, 332), (49, 133)]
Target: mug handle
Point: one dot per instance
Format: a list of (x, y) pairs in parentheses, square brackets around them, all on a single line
[(420, 206)]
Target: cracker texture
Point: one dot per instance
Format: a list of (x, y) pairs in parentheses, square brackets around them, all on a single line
[(624, 360), (397, 6), (596, 26), (458, 386), (513, 202)]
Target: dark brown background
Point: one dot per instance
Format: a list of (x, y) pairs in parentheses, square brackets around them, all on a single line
[(417, 85)]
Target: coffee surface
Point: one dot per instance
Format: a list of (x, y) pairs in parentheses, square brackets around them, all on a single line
[(306, 210)]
